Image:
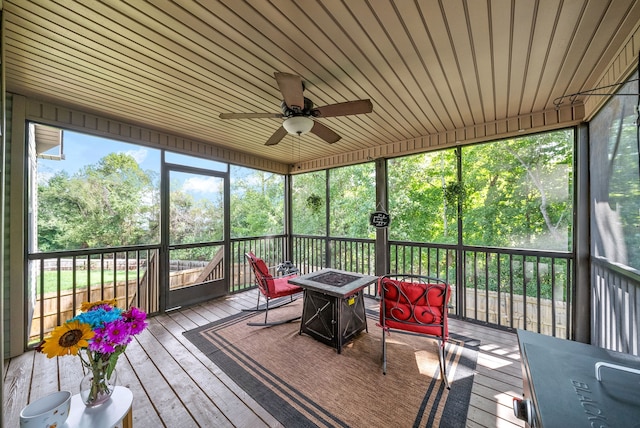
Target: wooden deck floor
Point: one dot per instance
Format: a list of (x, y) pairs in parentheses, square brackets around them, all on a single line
[(175, 385)]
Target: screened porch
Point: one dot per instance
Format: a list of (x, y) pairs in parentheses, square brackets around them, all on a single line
[(501, 138)]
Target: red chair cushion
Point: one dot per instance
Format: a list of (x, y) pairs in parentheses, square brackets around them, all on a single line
[(281, 287), (414, 306), (269, 286), (262, 267)]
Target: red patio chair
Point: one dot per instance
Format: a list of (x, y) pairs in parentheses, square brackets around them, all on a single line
[(271, 288), (415, 304)]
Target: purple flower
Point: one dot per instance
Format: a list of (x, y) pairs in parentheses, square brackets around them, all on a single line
[(100, 342), (136, 320), (114, 328), (134, 314), (117, 332)]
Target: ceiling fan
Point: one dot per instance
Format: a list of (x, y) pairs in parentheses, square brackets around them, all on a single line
[(299, 112)]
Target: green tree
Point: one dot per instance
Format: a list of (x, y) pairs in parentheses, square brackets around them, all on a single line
[(519, 192), (308, 202), (421, 208), (112, 203), (353, 199), (257, 203)]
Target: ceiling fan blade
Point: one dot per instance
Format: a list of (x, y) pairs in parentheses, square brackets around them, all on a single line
[(291, 87), (344, 109), (250, 115), (276, 137), (324, 132)]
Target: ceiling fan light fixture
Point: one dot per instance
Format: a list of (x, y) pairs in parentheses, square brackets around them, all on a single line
[(298, 125)]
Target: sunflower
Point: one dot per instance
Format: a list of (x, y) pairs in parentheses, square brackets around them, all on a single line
[(67, 339), (87, 306)]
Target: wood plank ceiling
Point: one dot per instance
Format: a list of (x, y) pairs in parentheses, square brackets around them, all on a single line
[(428, 66)]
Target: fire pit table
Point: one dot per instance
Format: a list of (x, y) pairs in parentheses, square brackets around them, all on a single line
[(333, 305)]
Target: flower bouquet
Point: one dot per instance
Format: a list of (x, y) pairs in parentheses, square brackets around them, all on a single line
[(98, 336)]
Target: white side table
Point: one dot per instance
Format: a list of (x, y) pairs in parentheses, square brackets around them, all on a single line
[(107, 415)]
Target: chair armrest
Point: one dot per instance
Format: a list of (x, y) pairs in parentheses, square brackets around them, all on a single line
[(292, 275)]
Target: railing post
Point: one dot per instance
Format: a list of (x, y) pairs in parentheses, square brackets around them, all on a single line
[(327, 242), (288, 219), (582, 243), (461, 291), (382, 234)]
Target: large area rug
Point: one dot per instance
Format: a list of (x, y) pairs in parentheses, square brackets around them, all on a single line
[(305, 383)]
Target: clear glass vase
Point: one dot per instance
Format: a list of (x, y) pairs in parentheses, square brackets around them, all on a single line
[(95, 387)]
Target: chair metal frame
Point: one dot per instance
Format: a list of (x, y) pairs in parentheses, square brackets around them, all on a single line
[(271, 288), (421, 311)]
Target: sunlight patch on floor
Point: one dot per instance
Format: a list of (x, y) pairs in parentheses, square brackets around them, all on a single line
[(493, 362)]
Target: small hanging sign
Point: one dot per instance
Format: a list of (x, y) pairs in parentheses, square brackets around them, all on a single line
[(379, 219)]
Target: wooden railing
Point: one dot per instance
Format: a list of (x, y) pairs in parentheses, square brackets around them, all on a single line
[(527, 289), (616, 307), (270, 248), (509, 288), (506, 288), (184, 273), (60, 281)]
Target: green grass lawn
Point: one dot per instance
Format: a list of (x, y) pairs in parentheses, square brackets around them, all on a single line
[(66, 279)]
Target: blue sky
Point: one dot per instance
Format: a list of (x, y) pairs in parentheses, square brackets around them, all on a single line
[(81, 150)]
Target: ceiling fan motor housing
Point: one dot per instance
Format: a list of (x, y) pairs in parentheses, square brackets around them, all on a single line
[(307, 110)]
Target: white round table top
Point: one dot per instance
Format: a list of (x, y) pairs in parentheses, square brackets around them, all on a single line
[(106, 415)]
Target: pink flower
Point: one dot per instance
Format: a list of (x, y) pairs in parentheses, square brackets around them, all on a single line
[(117, 332), (100, 343), (134, 314), (136, 320)]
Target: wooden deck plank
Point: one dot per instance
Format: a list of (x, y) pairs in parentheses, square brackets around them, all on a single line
[(17, 384), (165, 400), (195, 316), (494, 408), (175, 384), (216, 392), (514, 389), (187, 391), (42, 384), (69, 373), (145, 413)]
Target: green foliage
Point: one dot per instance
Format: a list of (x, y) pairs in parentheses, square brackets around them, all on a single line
[(519, 192), (115, 203), (306, 219), (314, 203), (353, 199), (257, 203), (195, 220), (199, 254), (421, 208), (111, 203), (514, 193), (454, 192)]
